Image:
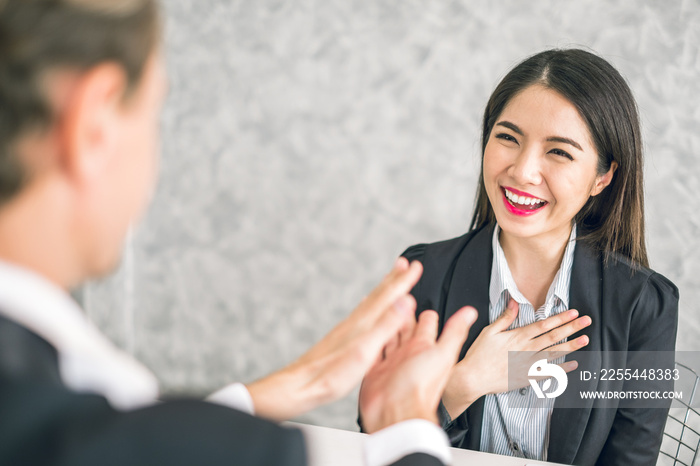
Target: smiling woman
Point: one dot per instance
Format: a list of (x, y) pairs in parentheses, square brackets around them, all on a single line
[(538, 177), (597, 100), (555, 259), (529, 154)]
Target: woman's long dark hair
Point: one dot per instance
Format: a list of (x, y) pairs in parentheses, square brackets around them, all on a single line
[(612, 221)]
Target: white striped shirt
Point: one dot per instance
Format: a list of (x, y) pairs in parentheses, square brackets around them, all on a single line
[(516, 423)]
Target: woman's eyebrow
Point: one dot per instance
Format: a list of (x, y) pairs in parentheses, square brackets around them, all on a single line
[(515, 128), (565, 141), (510, 126)]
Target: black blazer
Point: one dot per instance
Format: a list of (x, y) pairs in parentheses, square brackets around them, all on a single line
[(44, 423), (629, 312)]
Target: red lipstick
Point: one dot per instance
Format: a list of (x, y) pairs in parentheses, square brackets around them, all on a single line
[(514, 205)]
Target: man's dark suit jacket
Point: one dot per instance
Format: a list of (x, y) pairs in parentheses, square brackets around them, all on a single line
[(629, 311), (44, 423)]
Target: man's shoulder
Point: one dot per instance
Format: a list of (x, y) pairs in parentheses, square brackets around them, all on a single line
[(24, 354)]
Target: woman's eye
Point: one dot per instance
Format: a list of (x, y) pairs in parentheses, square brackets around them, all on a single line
[(506, 137), (562, 153)]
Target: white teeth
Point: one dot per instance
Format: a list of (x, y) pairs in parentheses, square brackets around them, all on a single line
[(515, 199)]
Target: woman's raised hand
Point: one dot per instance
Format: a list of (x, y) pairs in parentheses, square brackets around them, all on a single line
[(484, 369)]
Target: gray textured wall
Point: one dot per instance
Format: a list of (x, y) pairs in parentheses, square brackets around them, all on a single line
[(308, 142)]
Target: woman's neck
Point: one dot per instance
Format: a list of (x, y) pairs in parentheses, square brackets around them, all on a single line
[(534, 261)]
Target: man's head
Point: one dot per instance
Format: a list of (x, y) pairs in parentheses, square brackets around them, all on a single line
[(81, 85)]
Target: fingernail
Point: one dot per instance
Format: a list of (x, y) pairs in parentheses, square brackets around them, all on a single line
[(583, 340), (470, 316), (573, 313), (403, 305)]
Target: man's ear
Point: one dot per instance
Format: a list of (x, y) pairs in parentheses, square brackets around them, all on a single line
[(90, 124), (604, 180)]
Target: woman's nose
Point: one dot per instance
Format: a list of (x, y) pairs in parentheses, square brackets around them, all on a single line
[(526, 168)]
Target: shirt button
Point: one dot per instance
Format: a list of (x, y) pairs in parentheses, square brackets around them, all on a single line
[(523, 391), (515, 446)]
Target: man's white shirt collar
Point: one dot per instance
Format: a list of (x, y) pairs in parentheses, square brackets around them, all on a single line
[(88, 362)]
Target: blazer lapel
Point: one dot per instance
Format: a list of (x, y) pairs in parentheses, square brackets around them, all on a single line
[(567, 425), (469, 285)]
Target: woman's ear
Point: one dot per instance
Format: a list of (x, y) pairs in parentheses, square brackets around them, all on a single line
[(604, 180)]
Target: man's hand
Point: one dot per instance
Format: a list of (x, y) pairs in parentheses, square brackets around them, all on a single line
[(408, 380), (335, 365), (484, 369)]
